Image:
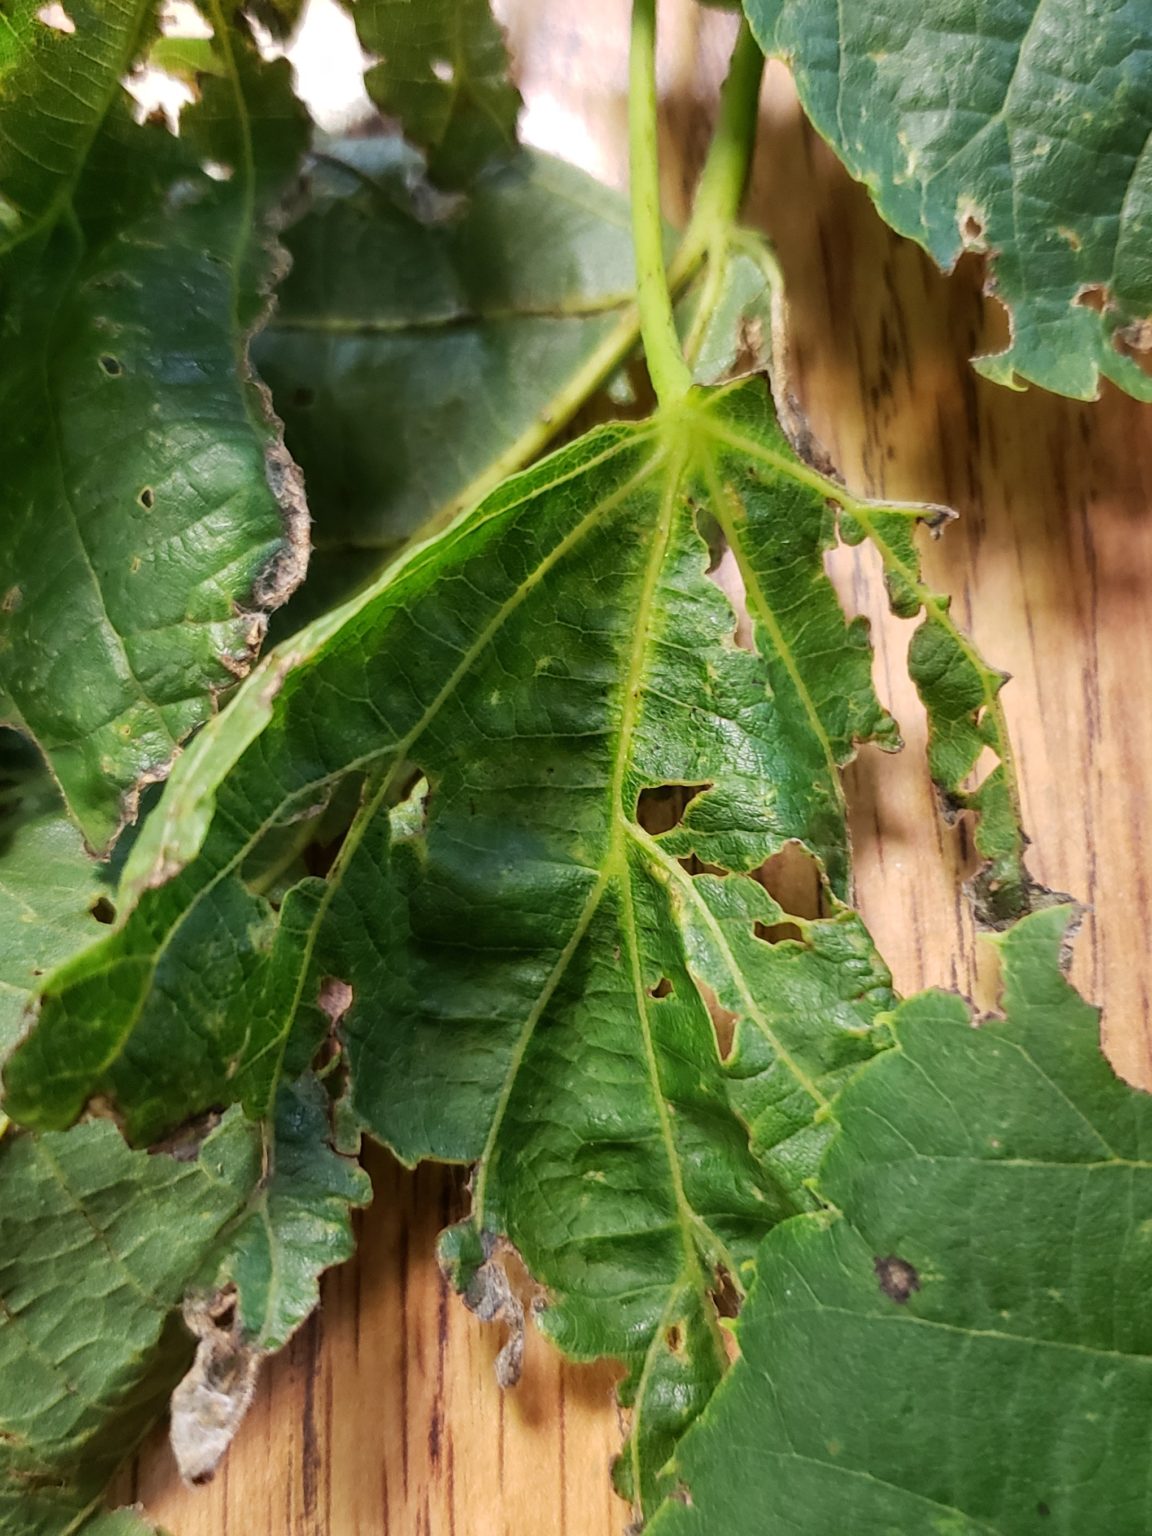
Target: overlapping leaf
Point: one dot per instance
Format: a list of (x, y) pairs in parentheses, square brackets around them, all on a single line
[(97, 1244), (98, 1247), (150, 512), (443, 72), (965, 1344), (417, 354), (1019, 127), (52, 895), (522, 953)]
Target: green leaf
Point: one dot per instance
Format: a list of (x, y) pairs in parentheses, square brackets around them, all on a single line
[(122, 1522), (1017, 127), (443, 72), (97, 1245), (152, 515), (529, 957), (961, 1343), (56, 88), (296, 1224), (52, 895), (472, 335), (961, 694)]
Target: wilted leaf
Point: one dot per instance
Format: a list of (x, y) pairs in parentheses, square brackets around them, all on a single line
[(443, 72), (521, 945), (151, 513), (1020, 129), (962, 1344)]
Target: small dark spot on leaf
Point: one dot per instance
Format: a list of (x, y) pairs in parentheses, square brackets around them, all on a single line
[(661, 808), (898, 1279), (674, 1338), (303, 397), (663, 988), (11, 600), (112, 366), (147, 498), (103, 910), (1042, 1508)]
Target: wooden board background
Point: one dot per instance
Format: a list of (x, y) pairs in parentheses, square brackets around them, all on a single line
[(383, 1417)]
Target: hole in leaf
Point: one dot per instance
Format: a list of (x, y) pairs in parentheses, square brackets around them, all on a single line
[(443, 71), (793, 878), (1135, 341), (1093, 296), (303, 397), (777, 933), (217, 170), (56, 17), (663, 988), (725, 1296), (334, 998), (147, 498), (723, 1019), (898, 1279), (112, 366), (972, 224), (661, 808), (103, 910)]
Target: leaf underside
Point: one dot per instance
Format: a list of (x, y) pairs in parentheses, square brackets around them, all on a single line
[(1022, 128), (523, 954)]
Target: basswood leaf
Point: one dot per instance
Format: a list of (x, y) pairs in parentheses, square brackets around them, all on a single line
[(961, 1342), (443, 72), (135, 434), (53, 897), (961, 694), (100, 1246), (60, 73), (296, 1224), (97, 1245), (1020, 128), (470, 331), (525, 954), (121, 1522)]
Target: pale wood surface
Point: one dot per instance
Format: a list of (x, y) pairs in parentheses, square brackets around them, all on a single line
[(383, 1418)]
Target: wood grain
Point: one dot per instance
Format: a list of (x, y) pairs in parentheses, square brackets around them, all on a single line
[(383, 1418)]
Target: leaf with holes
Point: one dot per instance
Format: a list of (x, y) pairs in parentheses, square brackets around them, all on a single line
[(986, 1251), (961, 694), (443, 71), (136, 438), (1021, 128), (527, 954)]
